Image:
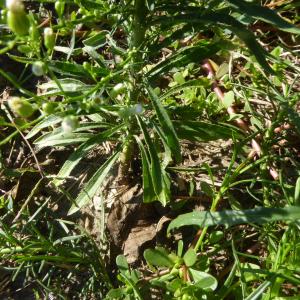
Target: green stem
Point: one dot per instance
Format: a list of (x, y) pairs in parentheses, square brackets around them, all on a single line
[(213, 208), (137, 38)]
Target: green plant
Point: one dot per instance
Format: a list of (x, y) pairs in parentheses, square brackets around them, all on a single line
[(129, 73)]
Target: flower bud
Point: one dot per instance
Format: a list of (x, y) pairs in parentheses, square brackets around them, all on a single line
[(17, 19), (38, 68), (48, 108), (20, 107), (49, 38), (69, 124), (59, 7), (15, 6), (117, 89)]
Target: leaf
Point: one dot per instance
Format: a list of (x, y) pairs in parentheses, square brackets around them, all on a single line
[(256, 294), (80, 153), (67, 84), (148, 189), (155, 168), (166, 124), (228, 99), (46, 122), (203, 131), (158, 257), (199, 82), (68, 68), (183, 57), (93, 184), (96, 40), (190, 257), (122, 263), (248, 272), (223, 20), (264, 14), (297, 192), (116, 293), (59, 138), (257, 215), (204, 280)]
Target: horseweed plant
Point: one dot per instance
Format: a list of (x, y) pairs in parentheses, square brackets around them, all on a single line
[(102, 67)]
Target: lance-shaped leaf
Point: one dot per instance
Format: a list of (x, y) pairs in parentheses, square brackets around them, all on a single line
[(81, 152), (148, 189), (264, 14), (257, 215), (165, 123), (155, 168), (94, 184)]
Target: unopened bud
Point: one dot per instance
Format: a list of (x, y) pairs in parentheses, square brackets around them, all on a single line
[(49, 38), (15, 6), (69, 124), (38, 68), (17, 19), (20, 107)]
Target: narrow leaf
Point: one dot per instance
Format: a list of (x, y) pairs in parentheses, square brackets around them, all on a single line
[(264, 14), (80, 153), (258, 215), (94, 184), (166, 124)]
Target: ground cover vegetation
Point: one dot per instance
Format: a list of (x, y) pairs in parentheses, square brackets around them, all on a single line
[(149, 149)]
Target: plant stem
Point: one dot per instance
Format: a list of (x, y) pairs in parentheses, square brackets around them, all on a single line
[(137, 39), (213, 208)]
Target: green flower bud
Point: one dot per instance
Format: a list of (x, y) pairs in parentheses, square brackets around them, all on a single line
[(38, 68), (118, 89), (48, 108), (20, 107), (69, 124), (59, 7), (15, 6), (49, 38), (18, 22)]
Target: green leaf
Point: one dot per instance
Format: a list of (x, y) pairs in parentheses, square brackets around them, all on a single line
[(297, 192), (118, 293), (223, 20), (183, 57), (228, 99), (158, 257), (59, 138), (122, 263), (257, 215), (96, 40), (203, 131), (166, 124), (148, 189), (67, 85), (248, 272), (190, 257), (264, 14), (256, 294), (93, 185), (46, 122), (155, 167), (80, 153), (204, 280)]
